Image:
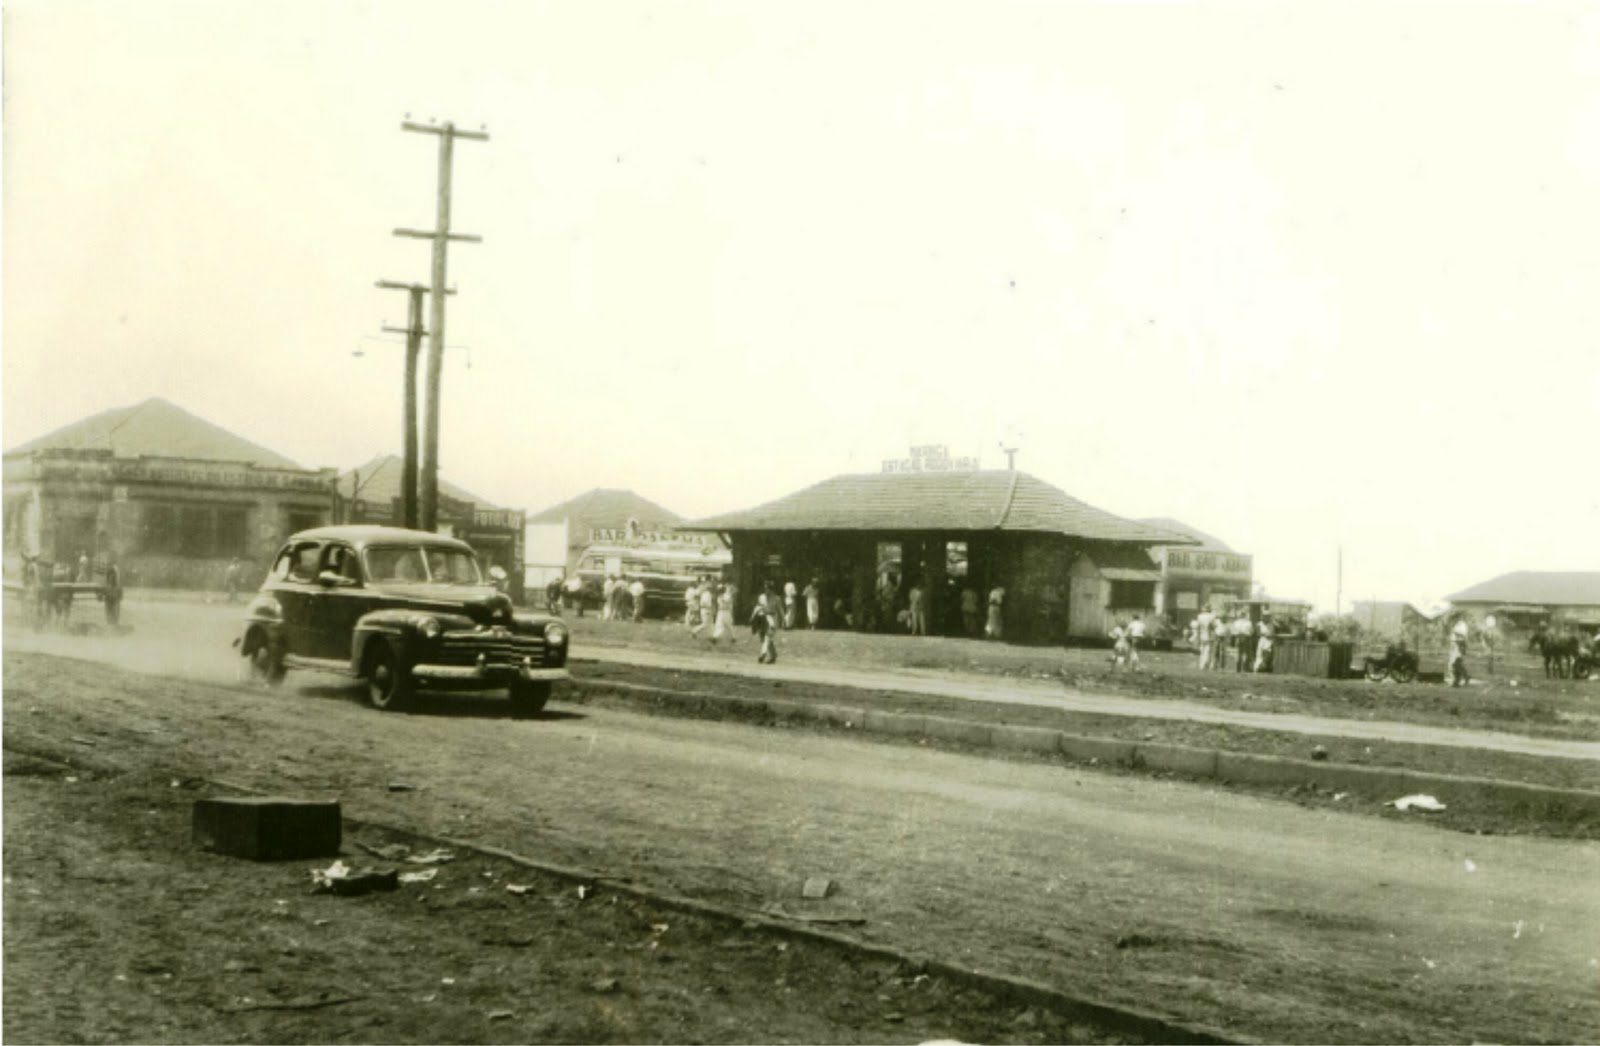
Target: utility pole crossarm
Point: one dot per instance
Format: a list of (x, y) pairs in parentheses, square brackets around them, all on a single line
[(396, 285), (433, 234), (449, 128)]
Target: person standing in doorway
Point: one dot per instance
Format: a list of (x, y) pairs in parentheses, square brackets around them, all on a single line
[(919, 610), (995, 626), (969, 611), (813, 594)]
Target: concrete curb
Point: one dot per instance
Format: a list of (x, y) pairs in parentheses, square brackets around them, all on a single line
[(1183, 760)]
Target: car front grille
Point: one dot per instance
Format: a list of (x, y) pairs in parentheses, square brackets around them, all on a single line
[(497, 646)]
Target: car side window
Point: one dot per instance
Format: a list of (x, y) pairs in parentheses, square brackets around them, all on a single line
[(280, 566), (341, 559), (303, 564)]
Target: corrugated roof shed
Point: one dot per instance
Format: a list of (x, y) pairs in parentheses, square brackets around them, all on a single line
[(156, 429), (1207, 543), (1539, 588), (380, 483), (608, 508), (991, 500)]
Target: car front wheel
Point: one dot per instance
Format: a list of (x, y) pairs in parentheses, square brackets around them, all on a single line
[(528, 698), (264, 664), (388, 683)]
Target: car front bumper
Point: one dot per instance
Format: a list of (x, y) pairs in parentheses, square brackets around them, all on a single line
[(487, 672)]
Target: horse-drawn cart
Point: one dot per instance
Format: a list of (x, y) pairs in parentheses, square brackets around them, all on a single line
[(50, 603)]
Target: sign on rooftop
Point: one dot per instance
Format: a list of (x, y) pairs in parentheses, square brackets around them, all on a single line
[(932, 457)]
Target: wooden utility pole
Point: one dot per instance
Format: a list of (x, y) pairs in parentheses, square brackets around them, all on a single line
[(441, 237), (413, 332)]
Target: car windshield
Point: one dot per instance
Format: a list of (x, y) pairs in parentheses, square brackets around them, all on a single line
[(450, 566), (443, 566)]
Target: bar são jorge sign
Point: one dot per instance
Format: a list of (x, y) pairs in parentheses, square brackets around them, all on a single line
[(933, 457)]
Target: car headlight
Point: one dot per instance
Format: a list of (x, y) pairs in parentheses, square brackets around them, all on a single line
[(429, 627), (555, 635)]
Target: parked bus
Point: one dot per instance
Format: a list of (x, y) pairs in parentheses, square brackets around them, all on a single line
[(666, 573)]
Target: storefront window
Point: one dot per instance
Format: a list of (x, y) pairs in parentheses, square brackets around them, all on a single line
[(1133, 595)]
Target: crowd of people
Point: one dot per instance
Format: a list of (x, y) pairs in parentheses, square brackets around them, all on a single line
[(1222, 639)]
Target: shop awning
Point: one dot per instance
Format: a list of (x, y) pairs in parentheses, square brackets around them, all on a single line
[(1129, 574)]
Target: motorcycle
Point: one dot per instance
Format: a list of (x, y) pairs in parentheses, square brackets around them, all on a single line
[(1397, 663)]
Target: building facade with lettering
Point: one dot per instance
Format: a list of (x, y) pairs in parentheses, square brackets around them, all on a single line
[(169, 496), (371, 494), (1067, 569), (1204, 573)]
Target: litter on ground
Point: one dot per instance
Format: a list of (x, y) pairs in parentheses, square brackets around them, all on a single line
[(1417, 802)]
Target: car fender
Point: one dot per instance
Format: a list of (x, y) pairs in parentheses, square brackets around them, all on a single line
[(263, 623), (400, 626)]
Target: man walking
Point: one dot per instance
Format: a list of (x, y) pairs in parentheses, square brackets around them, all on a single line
[(1135, 640), (636, 595)]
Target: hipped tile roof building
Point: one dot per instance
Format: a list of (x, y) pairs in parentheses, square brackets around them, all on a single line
[(945, 501)]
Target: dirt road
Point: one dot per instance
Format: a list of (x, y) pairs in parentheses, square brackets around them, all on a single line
[(1254, 916), (191, 641)]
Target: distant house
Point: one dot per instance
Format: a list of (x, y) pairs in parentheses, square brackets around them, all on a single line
[(1067, 568), (371, 494), (1526, 599), (1193, 576), (170, 496)]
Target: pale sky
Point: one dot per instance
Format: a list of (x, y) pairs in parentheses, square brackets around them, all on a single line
[(1301, 275)]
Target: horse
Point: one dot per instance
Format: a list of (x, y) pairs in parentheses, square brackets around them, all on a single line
[(1559, 653)]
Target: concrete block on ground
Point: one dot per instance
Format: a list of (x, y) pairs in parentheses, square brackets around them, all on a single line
[(962, 731), (896, 724), (816, 888), (268, 828), (1025, 738)]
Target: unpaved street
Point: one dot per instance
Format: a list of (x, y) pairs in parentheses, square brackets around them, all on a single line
[(1254, 916)]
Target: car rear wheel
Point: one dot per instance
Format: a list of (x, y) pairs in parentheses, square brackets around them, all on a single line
[(528, 699), (389, 685), (1376, 673), (1404, 674)]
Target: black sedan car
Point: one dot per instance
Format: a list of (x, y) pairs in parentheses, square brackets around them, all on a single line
[(401, 610)]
